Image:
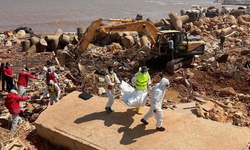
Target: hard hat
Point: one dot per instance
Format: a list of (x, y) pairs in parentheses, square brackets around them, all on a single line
[(13, 91)]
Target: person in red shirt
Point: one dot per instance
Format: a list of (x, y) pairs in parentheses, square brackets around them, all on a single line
[(12, 104), (2, 76), (23, 79), (8, 76), (50, 75)]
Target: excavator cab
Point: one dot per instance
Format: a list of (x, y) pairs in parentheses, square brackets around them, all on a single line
[(183, 45), (180, 42)]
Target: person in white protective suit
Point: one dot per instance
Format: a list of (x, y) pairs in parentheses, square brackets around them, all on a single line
[(54, 92), (111, 81), (158, 92), (141, 81)]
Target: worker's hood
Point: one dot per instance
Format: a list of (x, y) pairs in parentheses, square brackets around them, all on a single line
[(110, 73), (163, 83)]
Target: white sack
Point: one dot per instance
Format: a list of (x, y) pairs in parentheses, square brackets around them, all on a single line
[(131, 96)]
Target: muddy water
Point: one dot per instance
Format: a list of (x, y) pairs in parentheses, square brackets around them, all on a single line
[(172, 95), (48, 15)]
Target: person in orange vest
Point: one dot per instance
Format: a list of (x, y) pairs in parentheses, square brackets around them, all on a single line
[(111, 80), (50, 75), (141, 81), (54, 92), (23, 79)]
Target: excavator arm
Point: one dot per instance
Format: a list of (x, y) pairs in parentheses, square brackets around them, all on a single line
[(127, 25)]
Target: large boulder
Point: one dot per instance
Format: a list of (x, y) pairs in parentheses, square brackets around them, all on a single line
[(228, 91)]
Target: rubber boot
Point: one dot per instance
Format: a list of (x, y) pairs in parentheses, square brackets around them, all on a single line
[(144, 121), (108, 109), (160, 128), (138, 111), (111, 110)]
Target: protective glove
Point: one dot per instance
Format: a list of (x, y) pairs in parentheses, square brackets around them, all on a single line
[(118, 85), (42, 81)]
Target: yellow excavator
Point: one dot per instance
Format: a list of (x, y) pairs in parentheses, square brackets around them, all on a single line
[(184, 47)]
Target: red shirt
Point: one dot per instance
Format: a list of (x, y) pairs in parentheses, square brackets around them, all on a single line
[(24, 77), (50, 77), (12, 102), (8, 71)]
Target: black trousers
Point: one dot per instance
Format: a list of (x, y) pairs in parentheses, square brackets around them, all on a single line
[(9, 81), (3, 83)]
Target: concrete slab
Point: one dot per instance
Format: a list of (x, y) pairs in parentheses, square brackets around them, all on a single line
[(78, 124), (184, 108)]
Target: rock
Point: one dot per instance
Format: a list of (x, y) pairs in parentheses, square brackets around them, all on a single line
[(34, 40), (212, 59), (62, 69), (80, 32), (34, 117), (25, 45), (228, 91), (246, 42), (178, 79), (66, 81), (32, 49), (101, 80), (139, 17), (53, 42), (208, 106), (30, 108), (16, 40), (128, 41), (217, 114), (144, 41), (8, 43), (177, 21), (145, 49), (64, 57), (64, 39), (111, 48), (117, 46), (221, 58), (106, 40), (20, 34), (245, 52), (243, 97), (238, 43), (101, 91), (199, 110)]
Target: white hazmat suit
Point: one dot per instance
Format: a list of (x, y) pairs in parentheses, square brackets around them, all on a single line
[(158, 92), (111, 92)]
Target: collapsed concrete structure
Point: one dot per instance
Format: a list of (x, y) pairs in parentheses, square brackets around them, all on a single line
[(77, 124)]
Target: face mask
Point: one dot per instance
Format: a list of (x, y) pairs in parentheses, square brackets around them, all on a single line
[(111, 72), (49, 73)]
